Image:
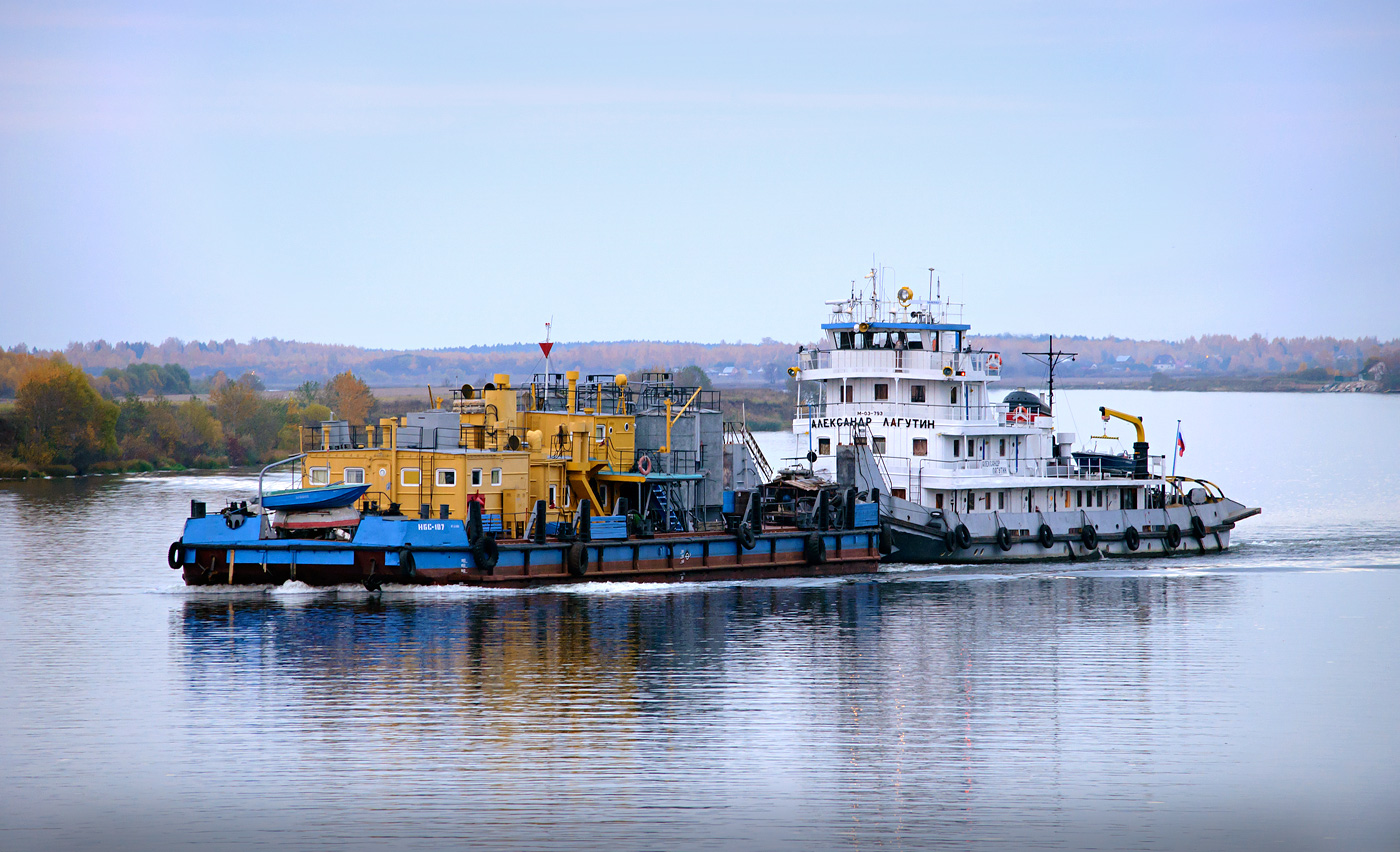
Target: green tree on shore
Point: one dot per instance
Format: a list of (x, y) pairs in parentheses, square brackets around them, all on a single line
[(62, 420)]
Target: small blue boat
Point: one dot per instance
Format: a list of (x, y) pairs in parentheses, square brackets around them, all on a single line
[(321, 497)]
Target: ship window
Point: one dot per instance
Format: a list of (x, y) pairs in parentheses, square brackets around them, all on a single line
[(953, 395), (882, 391), (1127, 498), (446, 476), (957, 447), (476, 476), (916, 393), (921, 446), (1098, 498), (878, 442), (824, 446), (1078, 499), (410, 476), (495, 476), (916, 342), (938, 500), (850, 392), (843, 340), (601, 433), (1002, 447), (320, 476), (1001, 499), (553, 493), (897, 492), (354, 476), (971, 501)]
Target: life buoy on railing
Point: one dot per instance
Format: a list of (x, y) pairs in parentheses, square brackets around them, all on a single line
[(644, 465), (994, 361), (1020, 415)]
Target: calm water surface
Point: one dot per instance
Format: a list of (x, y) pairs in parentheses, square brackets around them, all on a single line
[(1247, 700)]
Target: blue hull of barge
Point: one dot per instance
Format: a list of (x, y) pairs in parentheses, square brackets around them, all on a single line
[(404, 550)]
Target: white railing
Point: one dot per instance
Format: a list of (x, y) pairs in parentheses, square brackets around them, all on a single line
[(917, 311), (915, 411), (883, 362)]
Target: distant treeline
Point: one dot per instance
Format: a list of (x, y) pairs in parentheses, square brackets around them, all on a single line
[(59, 424), (123, 368)]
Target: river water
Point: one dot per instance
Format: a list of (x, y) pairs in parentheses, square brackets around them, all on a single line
[(1248, 700)]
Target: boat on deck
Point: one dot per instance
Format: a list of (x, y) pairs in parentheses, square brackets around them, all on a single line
[(895, 402), (555, 481)]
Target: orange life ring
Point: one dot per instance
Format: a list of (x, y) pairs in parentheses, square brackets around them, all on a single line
[(1020, 415), (644, 465), (994, 361)]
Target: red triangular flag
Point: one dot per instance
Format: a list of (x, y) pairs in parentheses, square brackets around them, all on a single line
[(545, 347)]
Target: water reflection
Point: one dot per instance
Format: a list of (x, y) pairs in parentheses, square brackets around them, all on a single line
[(890, 710)]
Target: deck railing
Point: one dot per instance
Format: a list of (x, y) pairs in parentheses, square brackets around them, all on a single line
[(881, 362)]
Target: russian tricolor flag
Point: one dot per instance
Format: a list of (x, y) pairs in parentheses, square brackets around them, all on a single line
[(1180, 444)]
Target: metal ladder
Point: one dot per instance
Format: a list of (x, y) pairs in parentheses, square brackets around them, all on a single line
[(738, 433), (658, 493)]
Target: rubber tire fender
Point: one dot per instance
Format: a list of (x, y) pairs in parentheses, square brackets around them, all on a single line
[(814, 549), (747, 539), (175, 555), (950, 540), (1004, 538), (1132, 538), (1173, 537), (486, 553), (577, 558), (1198, 527), (1045, 536), (1089, 537), (406, 567), (964, 536), (886, 540)]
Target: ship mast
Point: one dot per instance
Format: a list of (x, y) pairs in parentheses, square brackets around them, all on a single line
[(1051, 359)]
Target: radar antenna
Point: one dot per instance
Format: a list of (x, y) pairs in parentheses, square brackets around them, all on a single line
[(1051, 359)]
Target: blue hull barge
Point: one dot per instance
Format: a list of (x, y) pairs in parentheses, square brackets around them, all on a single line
[(236, 548), (557, 481)]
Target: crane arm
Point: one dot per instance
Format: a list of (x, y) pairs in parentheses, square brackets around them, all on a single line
[(1136, 421)]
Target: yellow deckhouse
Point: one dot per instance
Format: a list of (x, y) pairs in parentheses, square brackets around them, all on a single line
[(508, 447)]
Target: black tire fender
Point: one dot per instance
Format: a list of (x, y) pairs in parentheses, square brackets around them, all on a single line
[(1173, 537), (1004, 538), (1089, 537), (886, 540), (814, 549), (1045, 536), (577, 558), (486, 553), (950, 540), (406, 566), (175, 556), (1198, 527), (964, 536), (1132, 538), (747, 539)]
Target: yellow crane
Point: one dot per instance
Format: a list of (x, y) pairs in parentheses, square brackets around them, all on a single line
[(1106, 413)]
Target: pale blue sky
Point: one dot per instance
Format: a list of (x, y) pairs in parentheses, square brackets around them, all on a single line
[(439, 174)]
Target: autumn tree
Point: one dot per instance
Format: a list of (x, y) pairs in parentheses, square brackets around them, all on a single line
[(349, 397), (62, 419)]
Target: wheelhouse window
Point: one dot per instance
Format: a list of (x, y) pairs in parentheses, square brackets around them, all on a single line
[(476, 476), (495, 476), (446, 477), (916, 393), (354, 476), (823, 446), (320, 476), (882, 391), (921, 446), (411, 477), (878, 444)]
